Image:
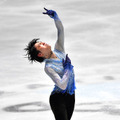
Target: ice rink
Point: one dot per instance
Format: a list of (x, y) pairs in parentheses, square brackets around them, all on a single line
[(92, 40)]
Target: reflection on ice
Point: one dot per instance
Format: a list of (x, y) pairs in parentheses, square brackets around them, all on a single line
[(107, 107), (35, 86), (25, 107)]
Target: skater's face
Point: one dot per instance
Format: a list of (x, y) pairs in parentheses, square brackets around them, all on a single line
[(44, 48)]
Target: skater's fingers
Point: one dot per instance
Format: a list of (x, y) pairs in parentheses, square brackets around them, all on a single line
[(63, 61), (46, 9), (68, 59), (45, 13)]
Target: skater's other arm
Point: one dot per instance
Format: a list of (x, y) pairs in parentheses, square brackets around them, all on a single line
[(61, 82)]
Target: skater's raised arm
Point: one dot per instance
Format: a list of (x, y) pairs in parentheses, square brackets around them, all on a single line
[(60, 40), (60, 29)]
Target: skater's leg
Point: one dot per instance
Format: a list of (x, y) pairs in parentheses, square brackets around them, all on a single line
[(58, 106), (70, 102)]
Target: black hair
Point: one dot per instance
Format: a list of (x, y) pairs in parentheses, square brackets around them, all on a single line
[(32, 53)]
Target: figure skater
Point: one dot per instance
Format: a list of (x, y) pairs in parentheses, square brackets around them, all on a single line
[(59, 68)]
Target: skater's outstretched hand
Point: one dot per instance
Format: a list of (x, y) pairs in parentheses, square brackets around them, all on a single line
[(51, 13)]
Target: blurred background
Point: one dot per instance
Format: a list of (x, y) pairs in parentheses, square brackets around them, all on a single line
[(92, 40)]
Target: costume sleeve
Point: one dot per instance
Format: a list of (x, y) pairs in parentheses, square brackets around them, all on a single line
[(60, 34), (60, 82)]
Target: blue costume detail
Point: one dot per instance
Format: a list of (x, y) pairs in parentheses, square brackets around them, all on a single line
[(57, 66)]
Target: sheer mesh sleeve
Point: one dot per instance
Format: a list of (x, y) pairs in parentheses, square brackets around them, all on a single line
[(60, 40), (60, 82)]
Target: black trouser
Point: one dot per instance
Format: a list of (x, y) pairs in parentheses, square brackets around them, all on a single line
[(62, 105)]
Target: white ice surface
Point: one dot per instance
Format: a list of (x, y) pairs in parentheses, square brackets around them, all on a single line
[(92, 40)]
